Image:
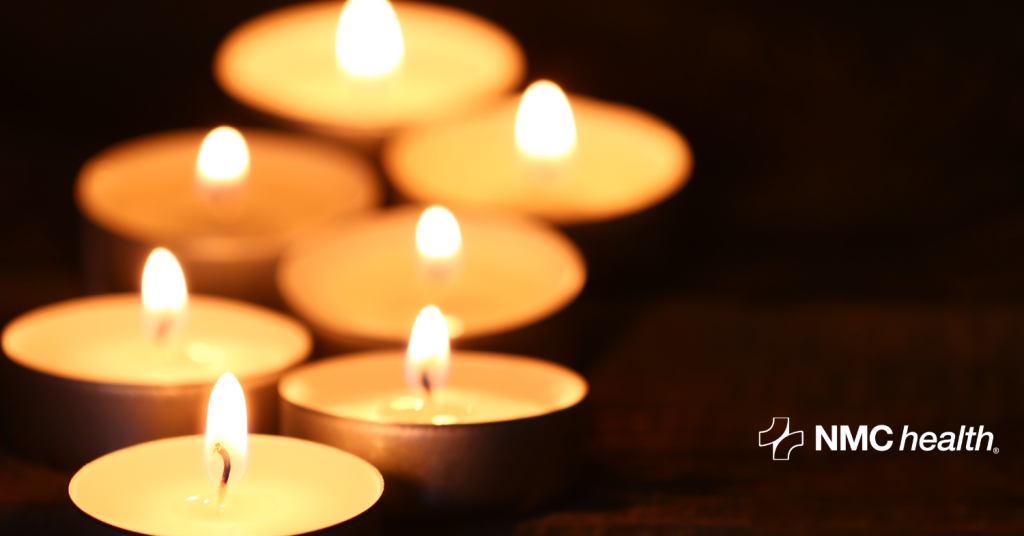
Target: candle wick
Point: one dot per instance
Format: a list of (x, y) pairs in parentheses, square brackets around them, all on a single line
[(163, 327), (217, 448), (425, 382)]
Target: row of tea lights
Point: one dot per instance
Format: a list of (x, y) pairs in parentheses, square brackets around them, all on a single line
[(283, 219), (451, 430)]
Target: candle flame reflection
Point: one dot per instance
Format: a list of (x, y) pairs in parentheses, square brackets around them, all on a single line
[(544, 124), (428, 357), (164, 295), (369, 40), (226, 428), (223, 162)]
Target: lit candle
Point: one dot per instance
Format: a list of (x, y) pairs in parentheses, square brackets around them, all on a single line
[(568, 160), (362, 69), (222, 167), (85, 378), (545, 132), (428, 358), (361, 282), (164, 296), (438, 246), (289, 487), (449, 430), (226, 202)]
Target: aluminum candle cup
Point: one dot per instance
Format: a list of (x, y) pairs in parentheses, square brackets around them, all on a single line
[(614, 160), (82, 380), (362, 282), (145, 193), (506, 437), (289, 487), (286, 63)]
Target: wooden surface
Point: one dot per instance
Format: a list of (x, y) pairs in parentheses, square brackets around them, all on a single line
[(680, 390)]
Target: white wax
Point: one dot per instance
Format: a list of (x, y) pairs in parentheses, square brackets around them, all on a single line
[(144, 189), (100, 339), (361, 278), (290, 486), (624, 161), (496, 387), (283, 63)]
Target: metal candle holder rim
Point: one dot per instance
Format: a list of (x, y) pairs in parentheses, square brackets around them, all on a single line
[(101, 386), (456, 425)]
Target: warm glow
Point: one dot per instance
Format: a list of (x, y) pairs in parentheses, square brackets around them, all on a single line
[(164, 295), (223, 159), (544, 123), (427, 360), (163, 283), (369, 40), (437, 234), (226, 425)]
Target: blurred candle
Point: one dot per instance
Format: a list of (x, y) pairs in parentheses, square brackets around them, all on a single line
[(545, 129), (369, 40), (439, 246), (366, 68), (85, 378), (291, 486), (164, 296), (361, 282), (452, 431), (226, 202), (222, 166), (568, 160)]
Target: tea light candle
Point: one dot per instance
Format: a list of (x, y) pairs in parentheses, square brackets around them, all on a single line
[(368, 71), (227, 203), (569, 161), (89, 376), (290, 486), (494, 432), (363, 281)]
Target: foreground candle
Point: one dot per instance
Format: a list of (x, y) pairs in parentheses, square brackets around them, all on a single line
[(85, 378), (363, 281), (226, 202), (285, 486), (568, 161), (370, 70), (449, 431)]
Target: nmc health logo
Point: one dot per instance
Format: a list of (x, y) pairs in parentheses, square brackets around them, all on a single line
[(880, 438)]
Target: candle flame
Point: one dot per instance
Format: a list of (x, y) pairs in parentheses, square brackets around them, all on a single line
[(544, 123), (164, 295), (223, 161), (427, 359), (437, 234), (226, 427), (369, 40)]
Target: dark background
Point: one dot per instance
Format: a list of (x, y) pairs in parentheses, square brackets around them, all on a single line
[(848, 250)]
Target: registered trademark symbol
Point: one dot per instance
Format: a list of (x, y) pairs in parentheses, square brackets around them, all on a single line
[(995, 450)]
